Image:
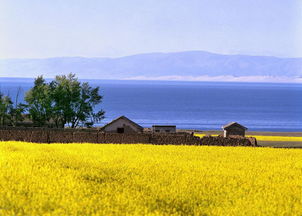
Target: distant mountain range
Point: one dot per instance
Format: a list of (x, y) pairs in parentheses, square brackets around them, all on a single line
[(189, 66)]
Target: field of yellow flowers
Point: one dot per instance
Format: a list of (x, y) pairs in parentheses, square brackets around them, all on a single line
[(96, 179)]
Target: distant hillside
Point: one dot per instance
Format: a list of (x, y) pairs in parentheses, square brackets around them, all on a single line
[(192, 65)]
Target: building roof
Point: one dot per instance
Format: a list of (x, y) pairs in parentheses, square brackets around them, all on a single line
[(124, 118), (232, 124)]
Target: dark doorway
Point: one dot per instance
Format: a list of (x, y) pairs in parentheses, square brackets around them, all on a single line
[(120, 130)]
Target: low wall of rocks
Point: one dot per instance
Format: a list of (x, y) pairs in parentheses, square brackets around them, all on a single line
[(228, 141), (45, 135)]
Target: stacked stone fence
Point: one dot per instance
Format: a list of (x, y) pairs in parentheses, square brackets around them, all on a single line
[(46, 135), (228, 141)]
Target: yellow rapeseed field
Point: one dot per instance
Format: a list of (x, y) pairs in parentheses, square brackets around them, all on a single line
[(112, 179), (268, 138)]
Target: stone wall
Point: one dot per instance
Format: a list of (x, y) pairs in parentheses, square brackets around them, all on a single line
[(44, 135), (228, 141), (174, 139)]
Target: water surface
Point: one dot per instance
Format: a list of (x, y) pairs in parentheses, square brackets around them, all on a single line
[(195, 105)]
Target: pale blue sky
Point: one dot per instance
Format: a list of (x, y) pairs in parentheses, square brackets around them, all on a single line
[(111, 28)]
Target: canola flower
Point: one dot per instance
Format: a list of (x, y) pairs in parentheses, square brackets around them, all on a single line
[(112, 179), (267, 138)]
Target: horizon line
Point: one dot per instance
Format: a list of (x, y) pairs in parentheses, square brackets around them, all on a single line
[(150, 53), (171, 80)]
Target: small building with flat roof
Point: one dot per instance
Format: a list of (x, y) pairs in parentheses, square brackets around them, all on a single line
[(233, 129), (164, 128)]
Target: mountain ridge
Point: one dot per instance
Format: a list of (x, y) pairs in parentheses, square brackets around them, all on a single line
[(186, 66)]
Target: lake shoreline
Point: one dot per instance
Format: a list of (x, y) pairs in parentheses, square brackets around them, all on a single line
[(248, 133), (263, 143)]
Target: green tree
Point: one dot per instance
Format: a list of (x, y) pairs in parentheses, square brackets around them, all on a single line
[(74, 102), (39, 102), (64, 101), (6, 105), (17, 112), (10, 115), (84, 112)]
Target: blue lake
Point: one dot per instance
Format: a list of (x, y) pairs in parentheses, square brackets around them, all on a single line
[(194, 105)]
